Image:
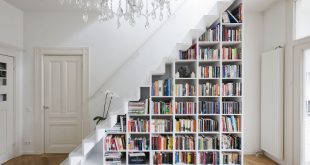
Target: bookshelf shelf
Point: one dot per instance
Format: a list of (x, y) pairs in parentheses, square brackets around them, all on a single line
[(172, 103)]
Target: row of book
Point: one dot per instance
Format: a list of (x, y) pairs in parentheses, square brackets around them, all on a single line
[(209, 89), (185, 108), (231, 89), (115, 142), (233, 16), (185, 125), (211, 34), (138, 107), (160, 142), (184, 142), (231, 123), (231, 158), (162, 87), (118, 127), (189, 54), (136, 158), (185, 157), (232, 34), (231, 142), (138, 125), (232, 71), (209, 54), (185, 90), (208, 125), (230, 53), (113, 157), (209, 71), (209, 158), (160, 107), (208, 142), (160, 158), (232, 107), (162, 125), (209, 107), (141, 143)]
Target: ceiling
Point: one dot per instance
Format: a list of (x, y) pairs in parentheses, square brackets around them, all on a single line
[(54, 5)]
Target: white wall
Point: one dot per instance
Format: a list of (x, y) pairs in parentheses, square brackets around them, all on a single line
[(253, 46), (11, 25)]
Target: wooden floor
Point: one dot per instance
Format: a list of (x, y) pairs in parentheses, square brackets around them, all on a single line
[(45, 159), (56, 159), (258, 160)]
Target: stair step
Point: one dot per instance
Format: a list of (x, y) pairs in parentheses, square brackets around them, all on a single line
[(95, 158), (183, 46), (89, 142), (76, 156)]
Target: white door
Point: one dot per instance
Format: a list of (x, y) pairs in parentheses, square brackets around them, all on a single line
[(6, 107), (62, 103)]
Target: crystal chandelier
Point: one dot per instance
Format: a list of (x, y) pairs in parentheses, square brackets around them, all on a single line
[(127, 10)]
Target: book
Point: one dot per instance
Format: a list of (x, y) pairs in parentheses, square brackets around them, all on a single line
[(231, 142), (185, 157), (232, 34), (113, 158), (138, 107), (189, 54), (208, 125), (138, 125), (138, 143), (232, 71), (231, 123), (160, 142), (231, 89), (161, 107), (208, 142), (160, 158), (209, 71), (185, 108), (185, 125), (184, 142), (231, 53), (209, 54), (162, 87), (209, 107), (162, 125), (209, 158), (137, 158), (185, 89), (211, 34), (115, 143), (232, 107), (231, 158), (209, 89)]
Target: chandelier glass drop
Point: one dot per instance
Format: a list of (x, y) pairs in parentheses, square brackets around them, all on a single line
[(127, 10)]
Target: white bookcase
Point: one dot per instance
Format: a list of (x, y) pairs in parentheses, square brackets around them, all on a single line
[(171, 69)]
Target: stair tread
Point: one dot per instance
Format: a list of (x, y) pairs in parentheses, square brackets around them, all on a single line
[(65, 162)]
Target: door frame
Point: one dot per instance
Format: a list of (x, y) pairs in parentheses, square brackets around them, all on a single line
[(39, 121)]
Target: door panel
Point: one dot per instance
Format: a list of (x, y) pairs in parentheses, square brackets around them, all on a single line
[(7, 134), (62, 102)]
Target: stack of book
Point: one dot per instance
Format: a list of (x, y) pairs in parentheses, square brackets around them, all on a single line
[(231, 158), (231, 53), (115, 129), (184, 142), (160, 142), (232, 71), (209, 54), (185, 157), (185, 107), (185, 90), (137, 158), (209, 158), (208, 142), (208, 125), (232, 34), (231, 89), (209, 107), (185, 125), (189, 54), (138, 125), (162, 125), (140, 144), (231, 142), (209, 71), (231, 123), (160, 107), (232, 107), (160, 158), (209, 89), (162, 88), (115, 142), (211, 34), (113, 157), (138, 107)]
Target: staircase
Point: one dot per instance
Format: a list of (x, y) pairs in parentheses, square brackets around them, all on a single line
[(90, 152)]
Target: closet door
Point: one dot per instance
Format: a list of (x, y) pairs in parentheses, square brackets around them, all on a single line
[(6, 107)]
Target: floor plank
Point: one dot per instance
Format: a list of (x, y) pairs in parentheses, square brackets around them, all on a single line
[(45, 159), (258, 160)]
